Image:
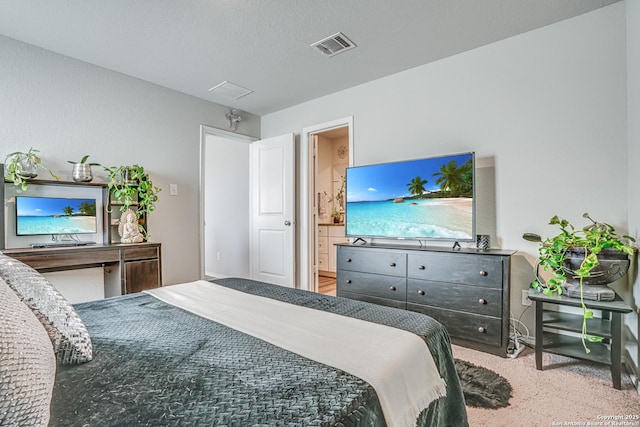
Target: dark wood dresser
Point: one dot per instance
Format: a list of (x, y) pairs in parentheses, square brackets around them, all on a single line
[(466, 290)]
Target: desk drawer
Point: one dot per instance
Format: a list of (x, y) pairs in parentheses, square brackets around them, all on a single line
[(140, 253), (61, 260)]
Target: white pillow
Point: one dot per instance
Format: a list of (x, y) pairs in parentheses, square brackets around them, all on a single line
[(27, 364), (70, 338)]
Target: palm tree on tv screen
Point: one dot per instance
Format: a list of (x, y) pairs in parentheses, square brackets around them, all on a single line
[(68, 210), (457, 181), (87, 208), (416, 186)]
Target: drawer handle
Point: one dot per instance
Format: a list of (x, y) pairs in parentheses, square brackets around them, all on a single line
[(421, 267), (420, 292), (482, 301), (348, 280), (393, 264), (348, 259), (483, 273), (482, 330), (393, 288)]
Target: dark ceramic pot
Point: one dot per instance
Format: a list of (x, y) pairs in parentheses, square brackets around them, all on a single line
[(614, 264)]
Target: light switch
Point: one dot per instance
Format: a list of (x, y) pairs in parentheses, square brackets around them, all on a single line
[(173, 189)]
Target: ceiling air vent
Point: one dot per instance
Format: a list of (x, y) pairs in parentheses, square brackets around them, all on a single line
[(334, 44), (230, 90)]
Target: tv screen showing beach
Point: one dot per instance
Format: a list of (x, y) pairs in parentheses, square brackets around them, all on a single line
[(50, 215), (429, 198)]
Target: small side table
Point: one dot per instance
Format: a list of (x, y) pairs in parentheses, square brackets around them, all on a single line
[(608, 352)]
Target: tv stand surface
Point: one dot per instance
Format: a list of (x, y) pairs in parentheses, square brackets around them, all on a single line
[(127, 267), (466, 290), (61, 244)]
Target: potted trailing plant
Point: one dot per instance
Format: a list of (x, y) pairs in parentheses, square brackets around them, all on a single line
[(20, 167), (131, 185), (82, 170), (592, 256)]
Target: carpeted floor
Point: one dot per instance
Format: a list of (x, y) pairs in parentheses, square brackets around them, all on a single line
[(565, 392)]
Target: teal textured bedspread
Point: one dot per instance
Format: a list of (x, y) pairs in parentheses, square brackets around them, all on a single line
[(155, 364)]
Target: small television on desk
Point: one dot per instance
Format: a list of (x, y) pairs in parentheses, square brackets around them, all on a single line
[(55, 216), (424, 199)]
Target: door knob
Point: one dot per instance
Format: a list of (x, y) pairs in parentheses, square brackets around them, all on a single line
[(287, 223)]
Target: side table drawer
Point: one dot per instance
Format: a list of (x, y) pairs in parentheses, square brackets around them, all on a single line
[(388, 287), (471, 299), (390, 263), (457, 268)]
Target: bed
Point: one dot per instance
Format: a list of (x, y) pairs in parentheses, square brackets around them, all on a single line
[(155, 363)]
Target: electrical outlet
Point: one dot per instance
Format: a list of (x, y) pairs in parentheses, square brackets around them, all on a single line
[(525, 297), (173, 189)]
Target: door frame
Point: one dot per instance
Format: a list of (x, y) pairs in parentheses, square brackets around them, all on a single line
[(308, 227), (204, 131)]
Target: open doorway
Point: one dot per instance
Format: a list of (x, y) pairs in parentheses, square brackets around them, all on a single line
[(332, 159), (224, 189), (327, 152)]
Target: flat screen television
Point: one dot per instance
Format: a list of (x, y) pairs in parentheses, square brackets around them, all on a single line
[(55, 216), (424, 199)]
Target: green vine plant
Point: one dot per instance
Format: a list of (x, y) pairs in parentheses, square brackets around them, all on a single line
[(131, 185), (18, 163), (83, 161), (593, 239)]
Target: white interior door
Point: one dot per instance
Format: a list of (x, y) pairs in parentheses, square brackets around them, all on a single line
[(272, 210)]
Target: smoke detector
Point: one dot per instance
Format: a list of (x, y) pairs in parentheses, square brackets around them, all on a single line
[(334, 44)]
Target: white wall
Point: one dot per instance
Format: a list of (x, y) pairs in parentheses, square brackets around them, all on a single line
[(544, 111), (633, 136), (68, 108), (227, 207)]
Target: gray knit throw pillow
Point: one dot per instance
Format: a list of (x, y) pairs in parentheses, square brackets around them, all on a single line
[(70, 338), (27, 364)]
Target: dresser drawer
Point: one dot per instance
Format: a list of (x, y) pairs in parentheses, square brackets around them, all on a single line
[(466, 326), (388, 287), (471, 299), (466, 269), (372, 299), (390, 263)]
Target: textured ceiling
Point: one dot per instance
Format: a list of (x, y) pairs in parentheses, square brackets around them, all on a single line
[(264, 45)]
